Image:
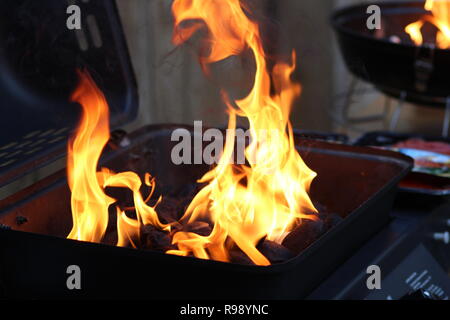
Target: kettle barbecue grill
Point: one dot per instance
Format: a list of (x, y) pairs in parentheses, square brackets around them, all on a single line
[(400, 69)]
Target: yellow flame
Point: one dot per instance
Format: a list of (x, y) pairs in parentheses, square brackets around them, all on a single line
[(268, 197), (145, 214), (90, 204), (265, 198), (440, 18), (127, 230)]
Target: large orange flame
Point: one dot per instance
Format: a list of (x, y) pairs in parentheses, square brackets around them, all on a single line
[(263, 199), (268, 197), (440, 18), (90, 204)]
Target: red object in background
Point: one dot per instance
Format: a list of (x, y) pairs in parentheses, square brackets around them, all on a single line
[(420, 144), (421, 181)]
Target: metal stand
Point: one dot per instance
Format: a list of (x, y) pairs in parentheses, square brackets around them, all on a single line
[(446, 124), (341, 113), (397, 112)]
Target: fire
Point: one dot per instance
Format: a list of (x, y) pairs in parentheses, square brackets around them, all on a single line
[(90, 204), (268, 197), (263, 199), (440, 18)]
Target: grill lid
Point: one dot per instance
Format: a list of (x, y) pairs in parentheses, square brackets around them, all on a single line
[(38, 59)]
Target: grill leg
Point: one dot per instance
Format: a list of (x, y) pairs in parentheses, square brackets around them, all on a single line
[(348, 100), (387, 109), (397, 111), (446, 124)]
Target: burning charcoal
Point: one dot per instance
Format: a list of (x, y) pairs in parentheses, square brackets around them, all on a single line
[(168, 210), (153, 238), (199, 227), (322, 209), (172, 209), (273, 251), (304, 235), (237, 256), (124, 197), (332, 220)]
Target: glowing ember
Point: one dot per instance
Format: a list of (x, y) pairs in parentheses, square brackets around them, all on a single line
[(440, 18), (265, 199)]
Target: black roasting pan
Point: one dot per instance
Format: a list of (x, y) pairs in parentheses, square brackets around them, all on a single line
[(355, 182)]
